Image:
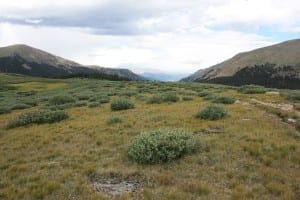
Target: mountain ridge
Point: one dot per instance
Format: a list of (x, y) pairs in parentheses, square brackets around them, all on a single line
[(273, 66), (27, 60)]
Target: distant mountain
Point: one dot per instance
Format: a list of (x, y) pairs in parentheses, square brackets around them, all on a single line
[(273, 66), (23, 59), (158, 76)]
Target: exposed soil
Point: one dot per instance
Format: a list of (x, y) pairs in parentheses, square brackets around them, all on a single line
[(116, 184)]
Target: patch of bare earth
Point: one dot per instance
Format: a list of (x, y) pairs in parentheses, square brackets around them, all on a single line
[(117, 184)]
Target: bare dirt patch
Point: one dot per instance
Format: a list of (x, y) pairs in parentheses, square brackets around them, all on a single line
[(116, 184)]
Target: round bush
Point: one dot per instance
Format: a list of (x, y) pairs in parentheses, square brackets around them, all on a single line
[(121, 104), (162, 145), (224, 100), (212, 112)]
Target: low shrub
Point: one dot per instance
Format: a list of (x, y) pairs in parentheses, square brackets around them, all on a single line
[(80, 104), (298, 124), (203, 94), (93, 104), (59, 100), (155, 99), (294, 134), (4, 110), (20, 106), (121, 104), (31, 102), (170, 97), (252, 89), (27, 93), (211, 112), (58, 107), (83, 97), (187, 98), (293, 95), (162, 145), (114, 120), (209, 97), (104, 99), (37, 117), (224, 100)]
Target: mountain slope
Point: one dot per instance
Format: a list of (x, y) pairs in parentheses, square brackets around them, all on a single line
[(23, 59), (273, 66)]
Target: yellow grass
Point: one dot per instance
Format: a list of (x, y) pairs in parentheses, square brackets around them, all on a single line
[(252, 156), (39, 86)]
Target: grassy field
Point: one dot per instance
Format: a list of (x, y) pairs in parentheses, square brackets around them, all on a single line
[(251, 153)]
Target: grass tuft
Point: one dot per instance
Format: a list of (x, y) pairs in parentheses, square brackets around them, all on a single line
[(114, 120)]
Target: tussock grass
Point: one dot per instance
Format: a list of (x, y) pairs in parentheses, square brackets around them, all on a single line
[(114, 120)]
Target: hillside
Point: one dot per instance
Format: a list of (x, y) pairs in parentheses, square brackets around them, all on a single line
[(23, 59), (273, 66)]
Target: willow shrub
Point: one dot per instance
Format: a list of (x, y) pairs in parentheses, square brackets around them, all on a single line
[(37, 117), (161, 145)]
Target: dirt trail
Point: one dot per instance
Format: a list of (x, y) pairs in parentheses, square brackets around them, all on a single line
[(282, 106)]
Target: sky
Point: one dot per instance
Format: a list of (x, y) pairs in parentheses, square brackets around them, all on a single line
[(170, 36)]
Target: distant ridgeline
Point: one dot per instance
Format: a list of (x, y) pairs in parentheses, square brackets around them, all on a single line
[(98, 76), (272, 66), (285, 77), (26, 60)]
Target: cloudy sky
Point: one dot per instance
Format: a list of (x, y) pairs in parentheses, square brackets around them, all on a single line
[(148, 35)]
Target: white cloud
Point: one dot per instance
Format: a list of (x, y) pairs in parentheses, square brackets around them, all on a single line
[(174, 36)]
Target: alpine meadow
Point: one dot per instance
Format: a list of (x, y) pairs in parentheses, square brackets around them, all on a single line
[(149, 100)]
